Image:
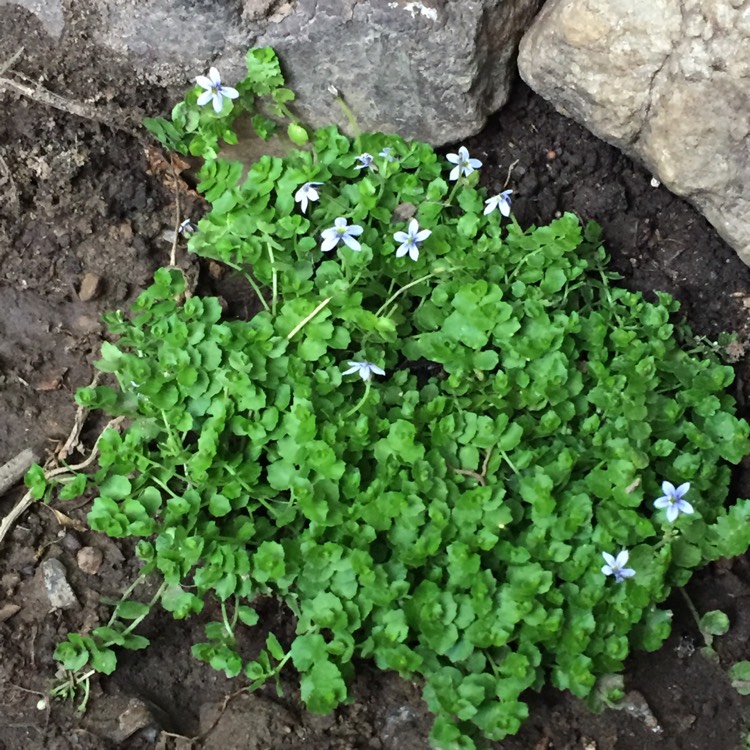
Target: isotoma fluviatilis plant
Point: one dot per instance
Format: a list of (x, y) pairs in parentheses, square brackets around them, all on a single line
[(423, 444)]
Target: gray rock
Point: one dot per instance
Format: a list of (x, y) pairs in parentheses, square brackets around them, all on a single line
[(429, 69), (666, 82), (60, 594)]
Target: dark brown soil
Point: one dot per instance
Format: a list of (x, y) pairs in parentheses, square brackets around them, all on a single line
[(77, 198)]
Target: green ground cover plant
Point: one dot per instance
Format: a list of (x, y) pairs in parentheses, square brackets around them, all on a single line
[(423, 444)]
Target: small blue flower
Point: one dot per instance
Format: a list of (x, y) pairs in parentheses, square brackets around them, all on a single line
[(341, 232), (214, 90), (365, 370), (411, 240), (673, 500), (501, 202), (307, 193), (387, 155), (464, 163), (365, 161), (615, 566)]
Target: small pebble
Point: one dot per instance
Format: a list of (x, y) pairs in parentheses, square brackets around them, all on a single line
[(655, 182), (60, 594), (89, 560), (551, 155), (91, 287)]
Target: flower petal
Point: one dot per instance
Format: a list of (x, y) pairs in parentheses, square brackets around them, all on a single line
[(213, 74), (229, 92), (329, 243), (340, 222), (203, 82), (205, 98), (667, 488), (463, 153), (475, 163), (401, 237), (351, 242), (685, 507), (353, 369), (423, 235), (607, 570), (627, 573), (622, 558), (402, 250), (453, 158), (414, 252), (377, 370), (217, 103), (682, 489), (455, 172), (672, 512), (662, 502), (609, 559), (355, 230)]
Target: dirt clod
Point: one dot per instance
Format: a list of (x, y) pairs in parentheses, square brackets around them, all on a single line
[(89, 560), (91, 287)]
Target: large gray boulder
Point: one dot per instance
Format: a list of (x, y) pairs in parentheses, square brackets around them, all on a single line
[(667, 82), (428, 69)]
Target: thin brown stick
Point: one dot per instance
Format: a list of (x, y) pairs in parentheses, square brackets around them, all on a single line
[(11, 61), (82, 412), (27, 500), (14, 469), (79, 109), (480, 477)]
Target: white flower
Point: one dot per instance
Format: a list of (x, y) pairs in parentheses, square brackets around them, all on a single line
[(214, 90), (614, 566), (464, 163), (411, 240), (386, 154), (501, 201), (307, 193), (365, 160), (341, 232), (674, 500), (365, 370)]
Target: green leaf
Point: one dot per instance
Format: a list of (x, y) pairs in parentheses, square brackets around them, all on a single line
[(36, 481), (739, 674), (322, 688), (714, 622)]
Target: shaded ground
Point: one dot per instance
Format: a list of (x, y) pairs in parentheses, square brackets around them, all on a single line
[(77, 200)]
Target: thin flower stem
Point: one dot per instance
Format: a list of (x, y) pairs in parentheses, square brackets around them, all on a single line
[(388, 302), (350, 117), (361, 402), (274, 280), (250, 281), (307, 319), (452, 193), (510, 463), (708, 640)]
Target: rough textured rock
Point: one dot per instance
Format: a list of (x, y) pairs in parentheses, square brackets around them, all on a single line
[(430, 69), (669, 83)]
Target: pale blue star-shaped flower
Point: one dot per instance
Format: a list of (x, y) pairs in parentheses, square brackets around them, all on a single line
[(615, 566), (365, 161), (214, 90), (501, 202), (307, 193), (387, 155), (674, 500), (464, 163), (411, 240), (364, 369), (341, 232)]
